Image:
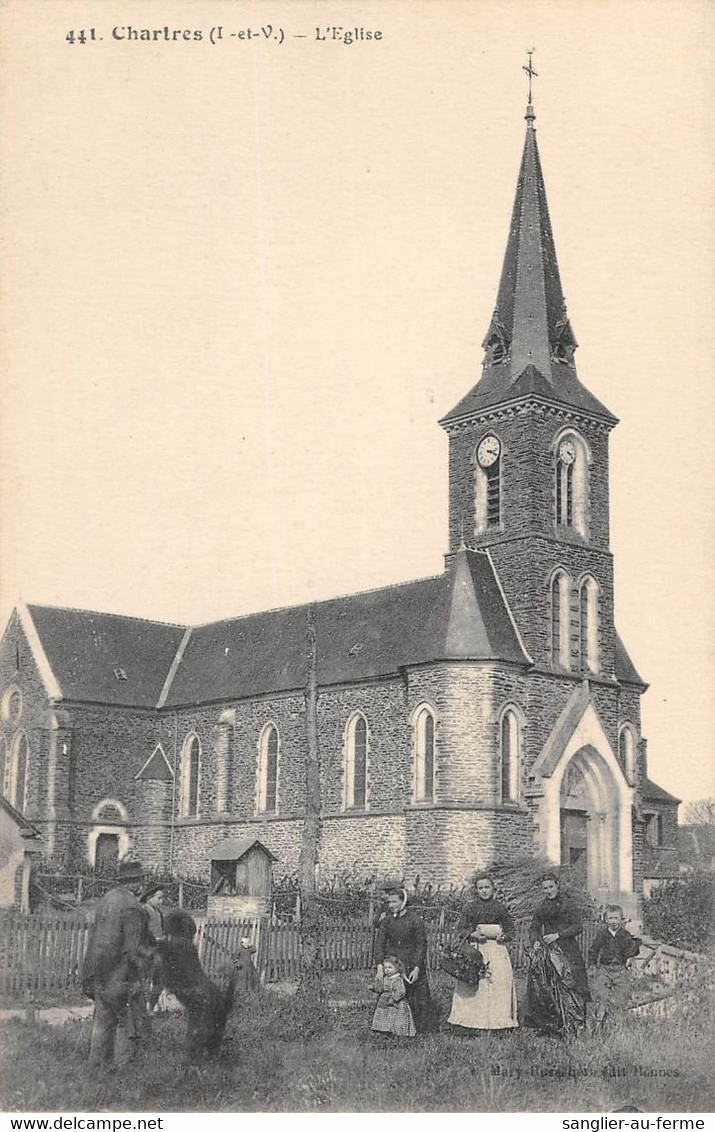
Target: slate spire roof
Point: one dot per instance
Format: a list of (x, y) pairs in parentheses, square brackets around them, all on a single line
[(529, 346)]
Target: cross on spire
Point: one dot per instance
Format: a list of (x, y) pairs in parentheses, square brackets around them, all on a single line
[(530, 70)]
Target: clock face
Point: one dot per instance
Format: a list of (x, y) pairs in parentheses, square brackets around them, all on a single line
[(567, 452), (488, 451)]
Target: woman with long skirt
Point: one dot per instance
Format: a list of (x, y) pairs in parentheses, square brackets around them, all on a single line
[(557, 984), (492, 1004), (401, 933)]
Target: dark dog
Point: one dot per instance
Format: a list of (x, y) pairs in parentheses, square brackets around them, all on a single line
[(179, 970)]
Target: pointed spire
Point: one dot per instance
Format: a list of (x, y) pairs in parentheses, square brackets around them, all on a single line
[(529, 346), (530, 301)]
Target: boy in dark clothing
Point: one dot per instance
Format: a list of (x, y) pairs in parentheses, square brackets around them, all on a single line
[(609, 953)]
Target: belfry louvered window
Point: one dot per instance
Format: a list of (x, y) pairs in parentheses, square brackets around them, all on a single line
[(493, 495), (572, 457), (564, 494)]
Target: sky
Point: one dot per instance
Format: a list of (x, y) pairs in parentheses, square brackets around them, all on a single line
[(243, 280)]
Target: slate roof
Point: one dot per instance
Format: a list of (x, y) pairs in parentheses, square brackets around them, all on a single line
[(156, 768), (458, 615), (652, 792), (624, 667), (492, 389), (104, 657), (461, 614), (26, 828), (530, 315), (234, 848)]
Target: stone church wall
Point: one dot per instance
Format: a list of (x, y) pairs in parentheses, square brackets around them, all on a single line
[(527, 474), (33, 718)]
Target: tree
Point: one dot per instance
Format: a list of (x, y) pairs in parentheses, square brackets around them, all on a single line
[(701, 812), (310, 987)]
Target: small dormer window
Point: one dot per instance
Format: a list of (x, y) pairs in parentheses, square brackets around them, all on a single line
[(120, 674), (497, 352), (496, 343)]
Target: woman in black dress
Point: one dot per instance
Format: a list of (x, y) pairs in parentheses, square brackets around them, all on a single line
[(401, 933), (557, 984)]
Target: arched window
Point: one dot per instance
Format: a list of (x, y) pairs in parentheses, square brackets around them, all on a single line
[(189, 789), (3, 765), (356, 746), (561, 620), (424, 754), (18, 771), (588, 624), (627, 752), (571, 482), (11, 704), (487, 461), (509, 750), (268, 770)]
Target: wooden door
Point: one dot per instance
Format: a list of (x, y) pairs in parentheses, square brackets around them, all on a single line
[(106, 854), (574, 843)]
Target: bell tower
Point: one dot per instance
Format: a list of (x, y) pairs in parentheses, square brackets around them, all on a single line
[(528, 453)]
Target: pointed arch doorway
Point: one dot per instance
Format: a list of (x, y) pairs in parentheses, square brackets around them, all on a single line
[(589, 810), (584, 803)]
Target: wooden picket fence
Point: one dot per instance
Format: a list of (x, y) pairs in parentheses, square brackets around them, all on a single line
[(40, 953), (43, 951)]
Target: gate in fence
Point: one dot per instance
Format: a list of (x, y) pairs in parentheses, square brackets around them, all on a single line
[(43, 952)]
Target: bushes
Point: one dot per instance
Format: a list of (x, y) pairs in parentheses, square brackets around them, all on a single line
[(352, 895), (681, 912), (518, 883)]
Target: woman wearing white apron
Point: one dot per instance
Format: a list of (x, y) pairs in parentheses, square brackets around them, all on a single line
[(491, 1005)]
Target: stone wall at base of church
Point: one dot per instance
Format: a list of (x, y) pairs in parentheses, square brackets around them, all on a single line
[(438, 844)]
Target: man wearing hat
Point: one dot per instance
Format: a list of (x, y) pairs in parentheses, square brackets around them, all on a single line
[(118, 944)]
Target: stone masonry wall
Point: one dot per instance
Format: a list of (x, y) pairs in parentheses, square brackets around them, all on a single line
[(528, 493), (32, 721)]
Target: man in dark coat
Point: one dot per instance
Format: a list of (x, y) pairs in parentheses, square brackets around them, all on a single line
[(119, 942)]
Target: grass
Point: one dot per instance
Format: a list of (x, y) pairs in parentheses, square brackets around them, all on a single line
[(277, 1059)]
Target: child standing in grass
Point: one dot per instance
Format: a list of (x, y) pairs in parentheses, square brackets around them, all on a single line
[(392, 1013), (609, 953)]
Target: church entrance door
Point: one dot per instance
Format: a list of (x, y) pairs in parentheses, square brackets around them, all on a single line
[(106, 854), (574, 843)]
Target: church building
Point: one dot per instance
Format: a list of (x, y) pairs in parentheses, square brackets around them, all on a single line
[(487, 713)]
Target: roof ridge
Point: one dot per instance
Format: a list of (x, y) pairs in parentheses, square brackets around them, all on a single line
[(108, 613), (324, 600)]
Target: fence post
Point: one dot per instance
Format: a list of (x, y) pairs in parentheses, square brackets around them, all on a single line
[(80, 889), (181, 894), (297, 906)]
